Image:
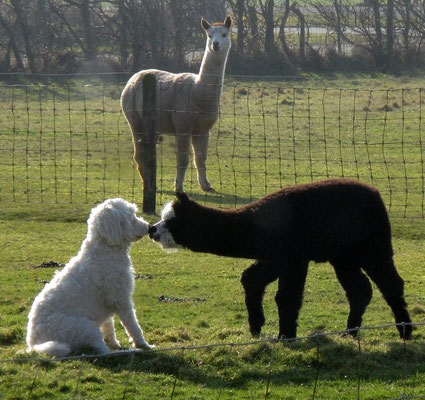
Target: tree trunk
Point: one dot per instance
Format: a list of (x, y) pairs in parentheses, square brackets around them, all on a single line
[(390, 32), (378, 51), (89, 36), (282, 36), (301, 20), (26, 33), (12, 45), (337, 6), (123, 38), (406, 30), (268, 13), (178, 40), (240, 10), (253, 23)]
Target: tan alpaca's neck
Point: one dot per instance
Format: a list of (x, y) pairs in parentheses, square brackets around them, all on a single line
[(212, 68)]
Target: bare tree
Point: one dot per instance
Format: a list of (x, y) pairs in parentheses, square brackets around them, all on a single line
[(302, 23), (83, 34), (267, 9), (238, 9), (288, 53), (26, 32), (9, 24), (253, 28), (390, 30)]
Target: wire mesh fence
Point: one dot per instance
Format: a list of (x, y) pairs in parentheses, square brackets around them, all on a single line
[(70, 143), (184, 367)]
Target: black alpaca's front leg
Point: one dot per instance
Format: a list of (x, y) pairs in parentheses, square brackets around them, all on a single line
[(254, 280), (289, 297)]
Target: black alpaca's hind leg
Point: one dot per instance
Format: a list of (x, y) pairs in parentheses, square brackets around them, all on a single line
[(289, 297), (391, 285), (254, 280), (358, 290)]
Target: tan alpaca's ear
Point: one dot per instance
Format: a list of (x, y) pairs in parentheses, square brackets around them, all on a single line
[(228, 22), (205, 24)]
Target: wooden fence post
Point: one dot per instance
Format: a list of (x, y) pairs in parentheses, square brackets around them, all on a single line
[(148, 145)]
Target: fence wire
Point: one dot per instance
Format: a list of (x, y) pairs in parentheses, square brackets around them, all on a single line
[(70, 144), (127, 359)]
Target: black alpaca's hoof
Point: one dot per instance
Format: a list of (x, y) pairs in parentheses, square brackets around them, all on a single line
[(287, 339), (255, 325), (287, 335), (351, 332), (405, 331), (255, 334)]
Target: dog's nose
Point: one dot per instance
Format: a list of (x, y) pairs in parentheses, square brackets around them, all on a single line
[(151, 231)]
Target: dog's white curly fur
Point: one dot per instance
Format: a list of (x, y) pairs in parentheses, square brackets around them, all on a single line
[(76, 309)]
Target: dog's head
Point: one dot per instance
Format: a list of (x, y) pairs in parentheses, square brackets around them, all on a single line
[(175, 220), (115, 221)]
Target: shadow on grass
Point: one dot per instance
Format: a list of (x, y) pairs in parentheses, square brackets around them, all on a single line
[(215, 198), (303, 363)]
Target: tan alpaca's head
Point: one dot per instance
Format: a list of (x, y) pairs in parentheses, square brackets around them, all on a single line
[(218, 35)]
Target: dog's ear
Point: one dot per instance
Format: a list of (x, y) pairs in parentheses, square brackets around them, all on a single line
[(110, 227), (182, 197)]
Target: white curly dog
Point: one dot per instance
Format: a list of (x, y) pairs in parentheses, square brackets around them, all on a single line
[(76, 309)]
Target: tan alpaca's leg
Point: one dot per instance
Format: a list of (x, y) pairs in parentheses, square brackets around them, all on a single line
[(138, 155), (182, 154), (137, 131), (200, 153)]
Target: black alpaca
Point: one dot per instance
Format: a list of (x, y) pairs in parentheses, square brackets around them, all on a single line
[(340, 221)]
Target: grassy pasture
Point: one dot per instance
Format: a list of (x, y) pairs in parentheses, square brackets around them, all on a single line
[(293, 130), (69, 143)]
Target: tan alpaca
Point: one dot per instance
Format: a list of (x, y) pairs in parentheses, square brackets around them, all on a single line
[(187, 103)]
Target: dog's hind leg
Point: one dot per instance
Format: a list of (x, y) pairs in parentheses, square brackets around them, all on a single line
[(254, 281), (85, 333), (109, 333)]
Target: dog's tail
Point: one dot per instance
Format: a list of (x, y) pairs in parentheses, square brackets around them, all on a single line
[(52, 348)]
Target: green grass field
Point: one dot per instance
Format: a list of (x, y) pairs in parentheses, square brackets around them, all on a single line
[(61, 158)]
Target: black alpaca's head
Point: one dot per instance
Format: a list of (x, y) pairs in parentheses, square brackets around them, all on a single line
[(175, 223)]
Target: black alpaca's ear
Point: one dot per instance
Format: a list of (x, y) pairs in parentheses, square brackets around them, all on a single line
[(182, 197), (228, 22), (205, 24)]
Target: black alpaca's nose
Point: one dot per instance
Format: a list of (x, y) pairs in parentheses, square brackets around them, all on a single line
[(151, 231)]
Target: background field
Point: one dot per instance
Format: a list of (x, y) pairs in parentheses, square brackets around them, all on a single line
[(57, 163)]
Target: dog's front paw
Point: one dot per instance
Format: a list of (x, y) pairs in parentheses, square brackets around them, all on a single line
[(114, 345), (144, 345)]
